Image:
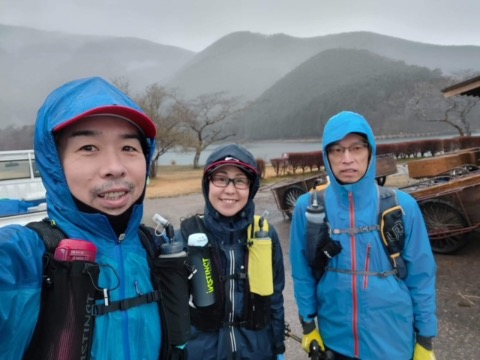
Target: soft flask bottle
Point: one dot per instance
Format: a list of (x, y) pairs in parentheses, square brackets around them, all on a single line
[(67, 301), (260, 253), (75, 250), (315, 212), (170, 247), (203, 287), (170, 274)]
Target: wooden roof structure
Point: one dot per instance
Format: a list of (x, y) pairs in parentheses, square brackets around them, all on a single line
[(470, 87)]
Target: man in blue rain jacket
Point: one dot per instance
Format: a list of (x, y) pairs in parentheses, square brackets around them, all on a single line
[(93, 147), (363, 310)]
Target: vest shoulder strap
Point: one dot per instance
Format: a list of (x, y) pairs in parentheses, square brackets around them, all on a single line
[(147, 237), (392, 229), (49, 232), (52, 235), (387, 199), (191, 225)]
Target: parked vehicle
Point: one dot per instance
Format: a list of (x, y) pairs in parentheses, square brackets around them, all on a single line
[(449, 204), (22, 194)]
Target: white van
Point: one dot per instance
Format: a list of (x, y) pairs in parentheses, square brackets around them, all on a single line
[(22, 194)]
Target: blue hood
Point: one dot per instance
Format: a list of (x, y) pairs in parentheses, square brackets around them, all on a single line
[(68, 102)]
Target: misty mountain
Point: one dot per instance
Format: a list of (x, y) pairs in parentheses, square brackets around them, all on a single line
[(299, 104), (245, 64), (34, 62)]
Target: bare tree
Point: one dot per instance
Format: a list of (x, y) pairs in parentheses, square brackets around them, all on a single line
[(203, 118), (158, 104), (193, 124), (428, 104), (123, 84)]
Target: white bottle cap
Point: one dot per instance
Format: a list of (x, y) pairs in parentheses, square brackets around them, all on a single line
[(197, 239)]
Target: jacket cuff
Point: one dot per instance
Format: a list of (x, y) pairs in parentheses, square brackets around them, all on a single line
[(279, 349), (425, 341)]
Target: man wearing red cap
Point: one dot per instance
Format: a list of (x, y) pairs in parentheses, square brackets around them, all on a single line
[(93, 148)]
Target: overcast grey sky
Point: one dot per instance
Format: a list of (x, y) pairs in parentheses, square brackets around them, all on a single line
[(196, 24)]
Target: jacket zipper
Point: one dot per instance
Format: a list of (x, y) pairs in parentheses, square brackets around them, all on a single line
[(354, 278), (231, 294)]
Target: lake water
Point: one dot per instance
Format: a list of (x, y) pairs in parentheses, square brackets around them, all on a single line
[(260, 150)]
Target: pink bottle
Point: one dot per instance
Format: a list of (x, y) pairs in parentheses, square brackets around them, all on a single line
[(75, 250)]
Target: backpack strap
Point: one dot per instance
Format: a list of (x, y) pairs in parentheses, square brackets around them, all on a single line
[(149, 240), (48, 232), (52, 235), (191, 225), (392, 228)]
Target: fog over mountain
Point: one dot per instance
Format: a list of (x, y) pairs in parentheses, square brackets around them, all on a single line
[(299, 104), (243, 64), (34, 62), (246, 64)]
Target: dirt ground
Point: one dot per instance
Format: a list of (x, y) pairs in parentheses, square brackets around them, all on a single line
[(176, 194)]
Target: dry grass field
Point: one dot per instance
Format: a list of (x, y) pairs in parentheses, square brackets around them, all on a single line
[(175, 180)]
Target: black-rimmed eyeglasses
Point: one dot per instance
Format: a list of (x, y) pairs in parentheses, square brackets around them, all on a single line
[(240, 183), (337, 151)]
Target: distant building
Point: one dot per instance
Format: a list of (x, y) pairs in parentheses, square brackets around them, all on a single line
[(470, 87)]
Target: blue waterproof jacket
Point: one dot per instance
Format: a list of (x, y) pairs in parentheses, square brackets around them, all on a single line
[(133, 334), (365, 316), (230, 237)]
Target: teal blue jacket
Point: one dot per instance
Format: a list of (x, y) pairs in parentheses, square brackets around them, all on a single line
[(364, 316), (133, 334)]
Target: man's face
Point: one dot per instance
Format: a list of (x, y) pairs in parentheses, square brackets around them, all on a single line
[(103, 163), (349, 158), (230, 199)]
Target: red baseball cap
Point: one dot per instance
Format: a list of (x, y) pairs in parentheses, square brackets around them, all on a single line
[(137, 118)]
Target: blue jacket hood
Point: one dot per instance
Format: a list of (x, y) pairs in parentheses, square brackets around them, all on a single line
[(68, 102)]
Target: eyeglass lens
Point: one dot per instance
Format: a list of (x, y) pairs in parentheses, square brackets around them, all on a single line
[(223, 181)]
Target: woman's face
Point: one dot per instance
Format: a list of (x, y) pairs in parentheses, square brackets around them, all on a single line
[(229, 189)]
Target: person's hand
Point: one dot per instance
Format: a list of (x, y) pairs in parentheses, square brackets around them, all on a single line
[(420, 353), (423, 349), (310, 334), (281, 357)]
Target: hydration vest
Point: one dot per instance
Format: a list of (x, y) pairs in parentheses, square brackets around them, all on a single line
[(258, 290), (390, 226), (69, 303)]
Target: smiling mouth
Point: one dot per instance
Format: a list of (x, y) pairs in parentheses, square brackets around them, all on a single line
[(229, 201), (113, 195)]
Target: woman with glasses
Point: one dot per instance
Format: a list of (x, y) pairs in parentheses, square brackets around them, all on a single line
[(230, 319), (361, 307)]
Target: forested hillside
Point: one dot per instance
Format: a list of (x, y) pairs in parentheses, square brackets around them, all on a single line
[(298, 105), (246, 64)]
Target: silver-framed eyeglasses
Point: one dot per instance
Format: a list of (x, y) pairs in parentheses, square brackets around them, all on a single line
[(337, 151), (240, 183)]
